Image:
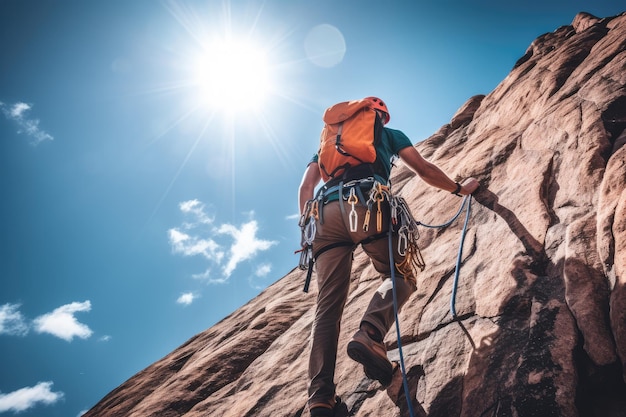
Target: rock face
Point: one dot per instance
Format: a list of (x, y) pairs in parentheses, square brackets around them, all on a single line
[(541, 302)]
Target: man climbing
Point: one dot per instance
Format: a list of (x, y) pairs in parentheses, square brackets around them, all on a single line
[(344, 224)]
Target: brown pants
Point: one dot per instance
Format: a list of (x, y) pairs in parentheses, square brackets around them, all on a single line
[(333, 279)]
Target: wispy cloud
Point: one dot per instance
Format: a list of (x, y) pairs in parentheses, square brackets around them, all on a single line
[(257, 280), (263, 270), (197, 209), (189, 245), (17, 113), (186, 298), (245, 244), (12, 322), (62, 323), (210, 277), (26, 398), (225, 246)]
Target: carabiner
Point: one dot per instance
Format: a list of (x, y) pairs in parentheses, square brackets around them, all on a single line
[(309, 231), (379, 218), (314, 212), (352, 198), (403, 241), (354, 219), (366, 222)]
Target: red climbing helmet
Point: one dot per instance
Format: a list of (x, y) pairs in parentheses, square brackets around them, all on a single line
[(378, 104)]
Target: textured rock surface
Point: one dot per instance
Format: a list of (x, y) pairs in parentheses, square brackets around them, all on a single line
[(542, 292)]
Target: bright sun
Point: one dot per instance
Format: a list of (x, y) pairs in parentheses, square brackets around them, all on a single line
[(232, 75)]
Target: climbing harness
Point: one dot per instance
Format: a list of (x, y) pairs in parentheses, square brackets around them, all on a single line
[(405, 226), (352, 193), (467, 201)]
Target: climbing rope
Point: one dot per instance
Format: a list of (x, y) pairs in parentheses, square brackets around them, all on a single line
[(467, 202), (405, 382)]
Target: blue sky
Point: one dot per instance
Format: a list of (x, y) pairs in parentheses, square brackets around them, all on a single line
[(143, 201)]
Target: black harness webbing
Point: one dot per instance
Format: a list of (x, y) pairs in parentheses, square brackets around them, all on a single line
[(337, 245), (314, 257)]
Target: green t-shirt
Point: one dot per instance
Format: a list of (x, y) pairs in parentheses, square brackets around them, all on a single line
[(392, 141)]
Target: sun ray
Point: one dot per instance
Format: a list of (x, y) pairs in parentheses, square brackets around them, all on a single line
[(179, 171), (219, 72)]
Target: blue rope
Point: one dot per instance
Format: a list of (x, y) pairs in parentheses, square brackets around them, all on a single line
[(467, 201), (449, 222), (457, 268), (405, 382)]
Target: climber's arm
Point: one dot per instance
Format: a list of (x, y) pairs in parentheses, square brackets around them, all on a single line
[(432, 174), (310, 179)]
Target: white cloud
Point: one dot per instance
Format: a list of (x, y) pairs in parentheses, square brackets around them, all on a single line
[(30, 127), (197, 209), (62, 323), (245, 246), (12, 322), (263, 269), (18, 110), (186, 298), (25, 398), (225, 246), (188, 245), (207, 276)]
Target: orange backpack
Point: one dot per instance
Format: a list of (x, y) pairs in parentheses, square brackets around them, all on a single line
[(351, 131)]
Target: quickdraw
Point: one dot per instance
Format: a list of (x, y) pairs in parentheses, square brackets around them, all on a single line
[(308, 225), (408, 236), (377, 195)]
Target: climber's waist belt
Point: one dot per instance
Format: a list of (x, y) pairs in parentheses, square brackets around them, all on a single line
[(330, 192)]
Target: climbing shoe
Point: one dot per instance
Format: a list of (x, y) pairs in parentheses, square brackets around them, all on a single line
[(372, 355)]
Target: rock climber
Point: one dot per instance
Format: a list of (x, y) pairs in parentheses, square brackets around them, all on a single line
[(333, 246)]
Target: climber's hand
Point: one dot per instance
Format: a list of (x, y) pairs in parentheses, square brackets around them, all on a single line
[(469, 186)]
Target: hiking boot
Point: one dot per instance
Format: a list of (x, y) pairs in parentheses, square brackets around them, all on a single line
[(322, 412), (325, 409), (372, 355)]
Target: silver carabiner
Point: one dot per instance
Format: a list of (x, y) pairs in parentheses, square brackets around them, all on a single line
[(393, 203), (309, 231), (354, 217), (403, 241)]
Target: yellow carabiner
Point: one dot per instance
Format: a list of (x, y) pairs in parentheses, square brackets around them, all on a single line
[(352, 198), (314, 210), (379, 218)]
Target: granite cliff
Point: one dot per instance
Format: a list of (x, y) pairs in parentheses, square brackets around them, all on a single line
[(541, 302)]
